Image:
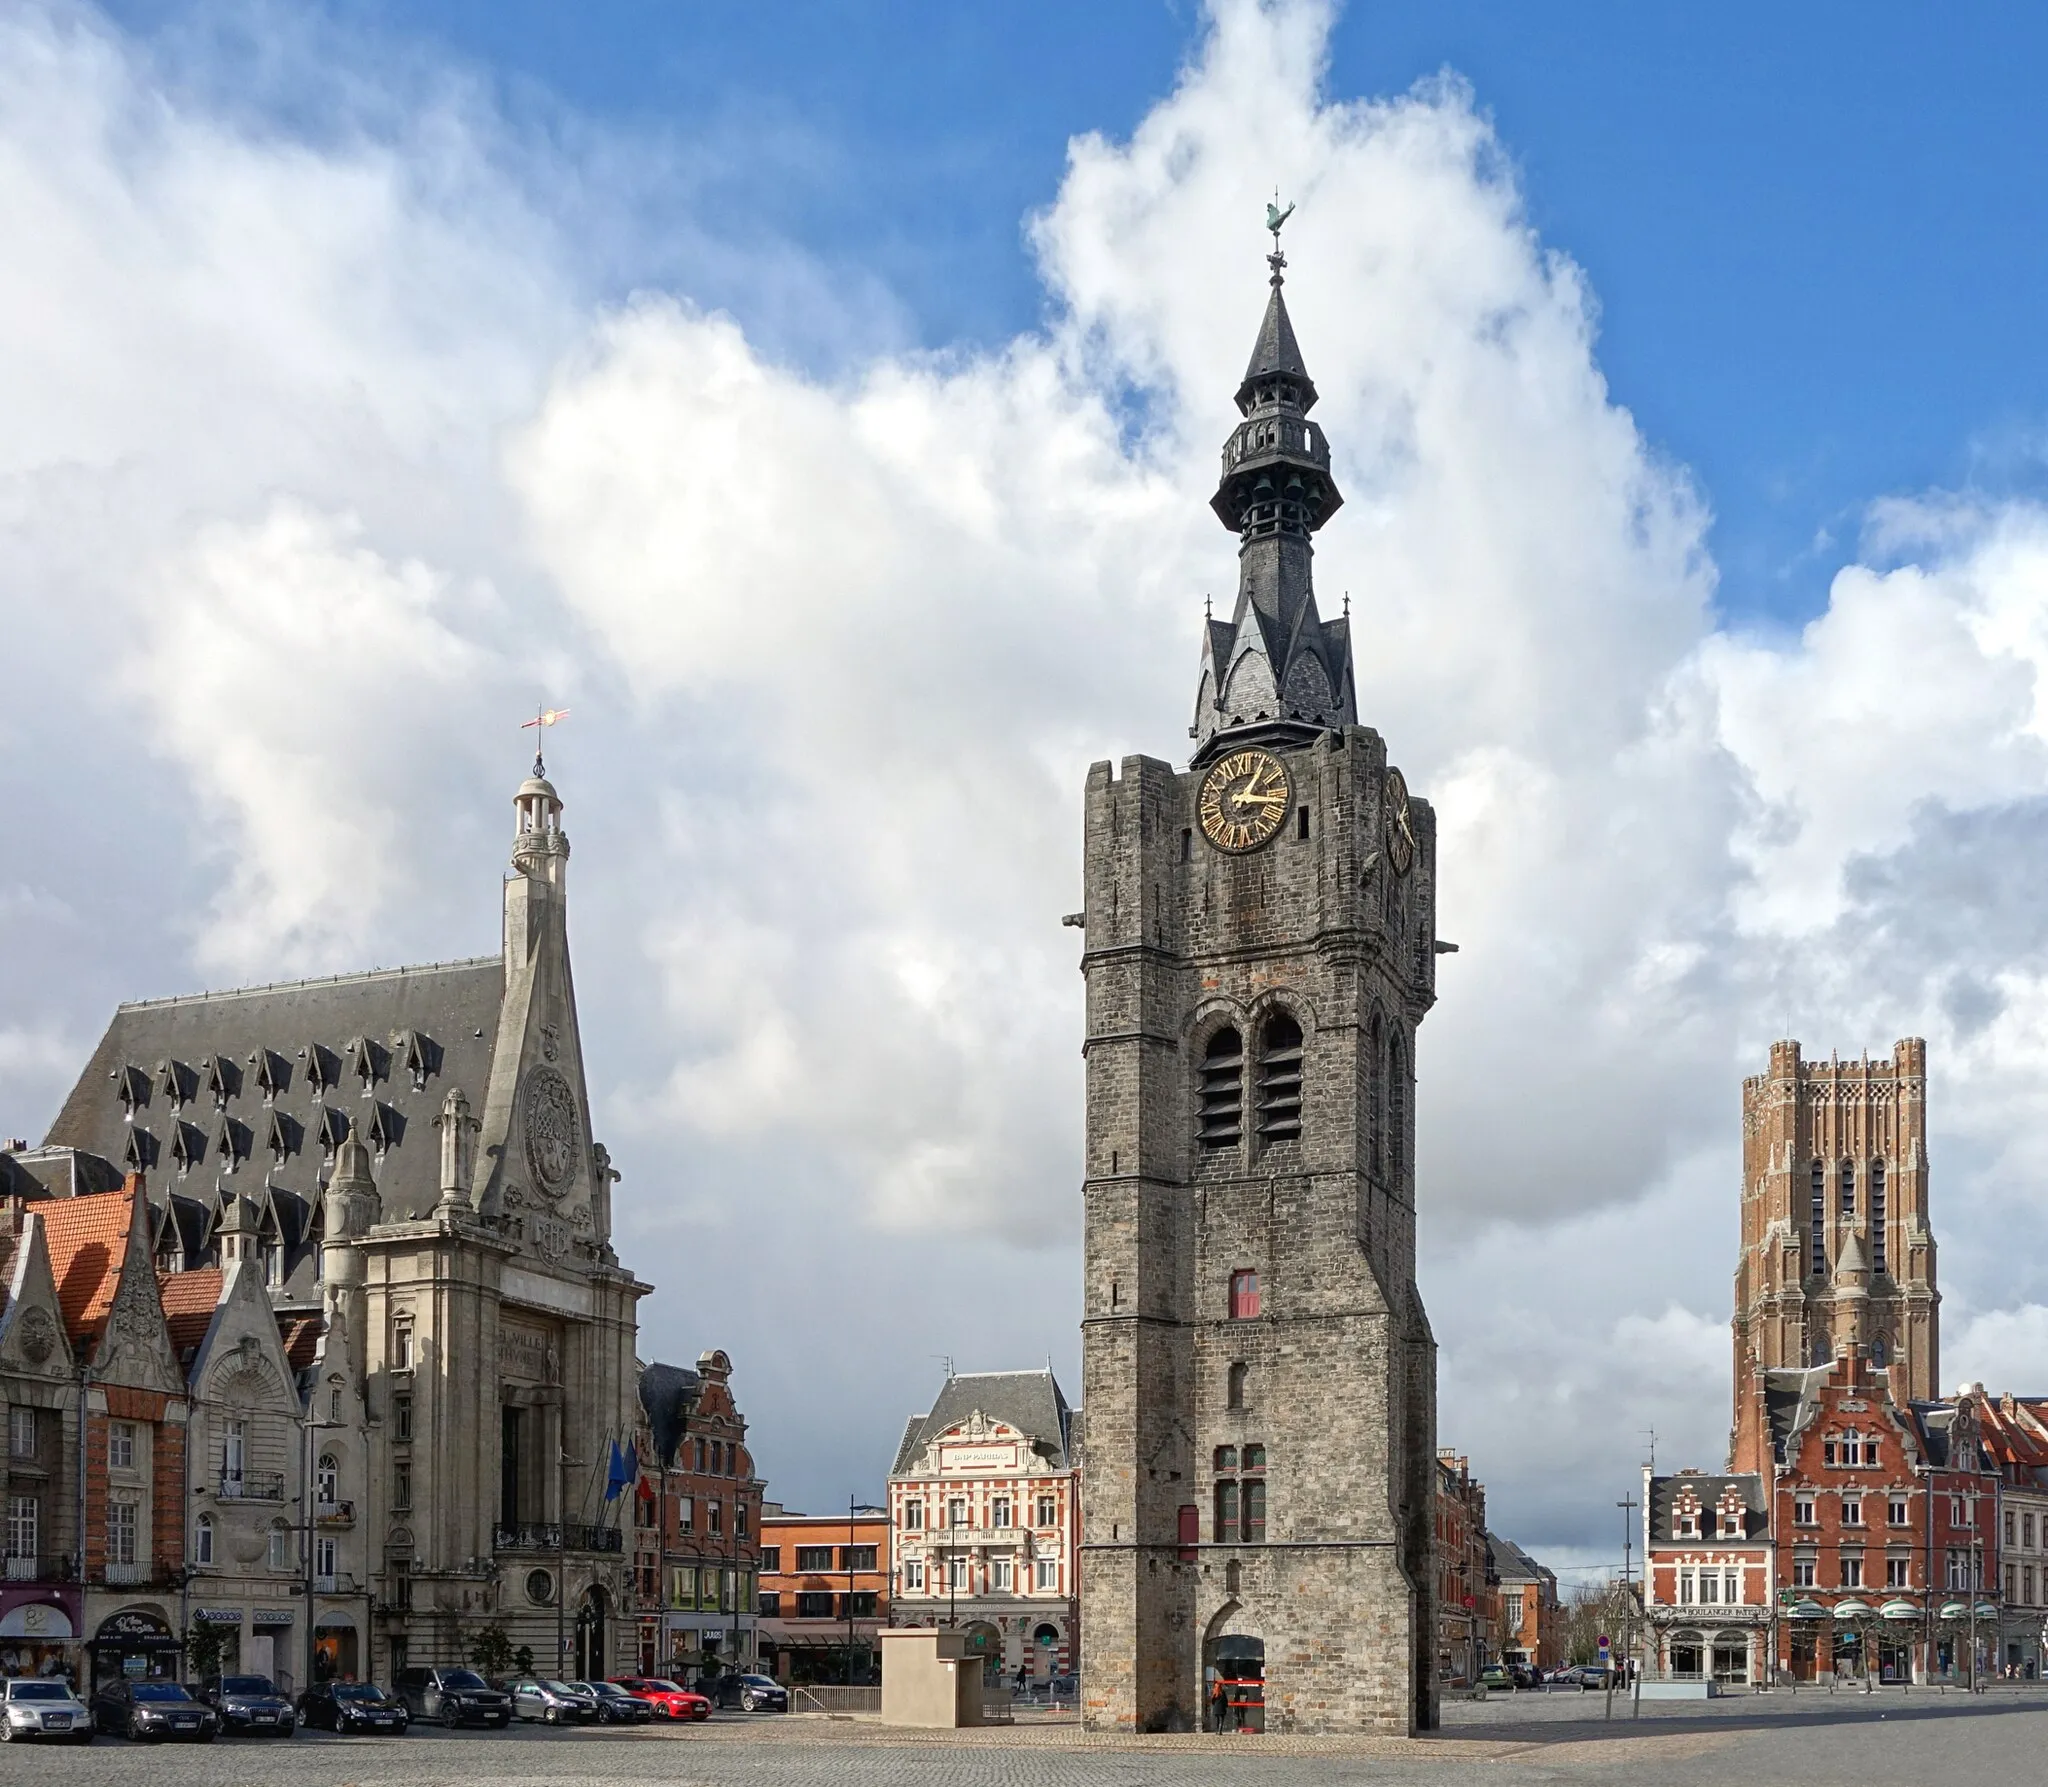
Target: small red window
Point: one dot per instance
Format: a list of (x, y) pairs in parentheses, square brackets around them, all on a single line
[(1244, 1296), (1190, 1532)]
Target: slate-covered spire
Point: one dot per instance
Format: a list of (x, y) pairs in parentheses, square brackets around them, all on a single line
[(1276, 670)]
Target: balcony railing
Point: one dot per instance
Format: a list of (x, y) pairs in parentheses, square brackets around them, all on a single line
[(336, 1513), (549, 1537), (129, 1573), (252, 1486), (22, 1569)]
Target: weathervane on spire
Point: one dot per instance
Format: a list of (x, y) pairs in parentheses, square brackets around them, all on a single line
[(545, 716), (1275, 217)]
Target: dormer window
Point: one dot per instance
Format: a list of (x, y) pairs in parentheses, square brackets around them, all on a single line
[(422, 1058), (188, 1145), (273, 1074), (287, 1136), (387, 1128), (370, 1061), (140, 1154), (223, 1081), (132, 1088), (332, 1129), (1688, 1524), (232, 1140), (177, 1082), (1731, 1523), (323, 1067)]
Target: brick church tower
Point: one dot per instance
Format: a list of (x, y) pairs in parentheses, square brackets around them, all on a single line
[(1260, 1378), (1837, 1254)]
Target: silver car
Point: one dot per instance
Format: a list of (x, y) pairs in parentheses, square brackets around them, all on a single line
[(551, 1702), (41, 1706)]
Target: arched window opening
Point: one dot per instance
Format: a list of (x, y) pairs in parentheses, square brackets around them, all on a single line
[(1239, 1374), (202, 1540), (1817, 1223), (1280, 1079), (1375, 1113), (1878, 1214), (1397, 1114), (280, 1547), (1244, 1296), (1848, 1191), (327, 1480), (1222, 1090)]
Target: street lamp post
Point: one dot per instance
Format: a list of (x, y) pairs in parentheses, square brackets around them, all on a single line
[(952, 1564)]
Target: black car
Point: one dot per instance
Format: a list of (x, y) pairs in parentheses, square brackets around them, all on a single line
[(148, 1712), (250, 1703), (353, 1706), (750, 1693), (614, 1705), (454, 1697)]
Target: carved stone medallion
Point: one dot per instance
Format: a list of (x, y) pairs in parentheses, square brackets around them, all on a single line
[(38, 1335), (552, 1132)]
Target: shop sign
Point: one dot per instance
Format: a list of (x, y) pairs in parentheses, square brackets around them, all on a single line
[(36, 1620), (131, 1624), (217, 1616), (270, 1618)]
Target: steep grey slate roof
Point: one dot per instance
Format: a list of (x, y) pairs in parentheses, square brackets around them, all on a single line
[(667, 1393), (1029, 1401), (1756, 1514), (1276, 350), (1510, 1563), (443, 1017), (1791, 1397)]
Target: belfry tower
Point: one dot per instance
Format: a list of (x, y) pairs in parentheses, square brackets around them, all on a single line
[(1260, 1376), (1837, 1251)]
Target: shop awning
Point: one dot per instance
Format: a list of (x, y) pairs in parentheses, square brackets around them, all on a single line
[(37, 1620), (1955, 1610), (1898, 1610), (1806, 1610), (1852, 1609)]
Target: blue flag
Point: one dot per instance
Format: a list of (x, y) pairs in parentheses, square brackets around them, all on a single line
[(616, 1478)]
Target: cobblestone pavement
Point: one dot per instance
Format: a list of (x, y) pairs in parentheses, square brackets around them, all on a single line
[(1882, 1740)]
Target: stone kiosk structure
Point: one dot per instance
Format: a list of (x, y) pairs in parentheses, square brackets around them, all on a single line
[(1259, 1374), (400, 1165)]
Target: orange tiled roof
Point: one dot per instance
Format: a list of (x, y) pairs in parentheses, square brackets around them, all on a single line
[(88, 1240), (302, 1340), (189, 1302)]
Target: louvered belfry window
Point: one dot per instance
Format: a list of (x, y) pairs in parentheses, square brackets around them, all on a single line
[(1222, 1091), (1279, 1079)]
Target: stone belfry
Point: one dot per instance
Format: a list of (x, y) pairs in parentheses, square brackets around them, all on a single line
[(1260, 1377), (1837, 1253)]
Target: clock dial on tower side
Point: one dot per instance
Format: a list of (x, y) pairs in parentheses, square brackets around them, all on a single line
[(1244, 801), (1400, 831)]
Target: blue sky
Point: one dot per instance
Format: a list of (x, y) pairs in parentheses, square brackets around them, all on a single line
[(1818, 234), (759, 384)]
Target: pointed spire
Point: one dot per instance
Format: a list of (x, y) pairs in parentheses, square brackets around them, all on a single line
[(1276, 669)]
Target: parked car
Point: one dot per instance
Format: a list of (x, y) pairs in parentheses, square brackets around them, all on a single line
[(249, 1703), (670, 1700), (550, 1702), (43, 1706), (1523, 1676), (750, 1693), (352, 1706), (1592, 1676), (454, 1697), (1495, 1679), (615, 1706), (148, 1712)]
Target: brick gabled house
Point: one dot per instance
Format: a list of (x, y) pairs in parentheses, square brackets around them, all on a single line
[(2013, 1433)]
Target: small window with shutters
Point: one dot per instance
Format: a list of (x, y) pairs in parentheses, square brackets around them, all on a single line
[(1244, 1296), (1279, 1079), (1190, 1532), (1222, 1091)]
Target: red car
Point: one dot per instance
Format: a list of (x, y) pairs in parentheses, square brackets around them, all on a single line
[(670, 1700)]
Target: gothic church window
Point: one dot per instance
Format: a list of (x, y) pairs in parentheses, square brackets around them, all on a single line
[(1280, 1079), (1222, 1090), (1849, 1191), (1877, 1216), (1817, 1223), (1375, 1145), (1397, 1113)]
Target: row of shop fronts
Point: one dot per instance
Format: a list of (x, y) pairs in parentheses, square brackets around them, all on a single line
[(43, 1632), (1892, 1643)]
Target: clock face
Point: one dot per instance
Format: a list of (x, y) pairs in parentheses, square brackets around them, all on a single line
[(1244, 801), (1400, 833)]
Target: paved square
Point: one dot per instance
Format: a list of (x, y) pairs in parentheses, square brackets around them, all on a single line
[(1891, 1739)]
